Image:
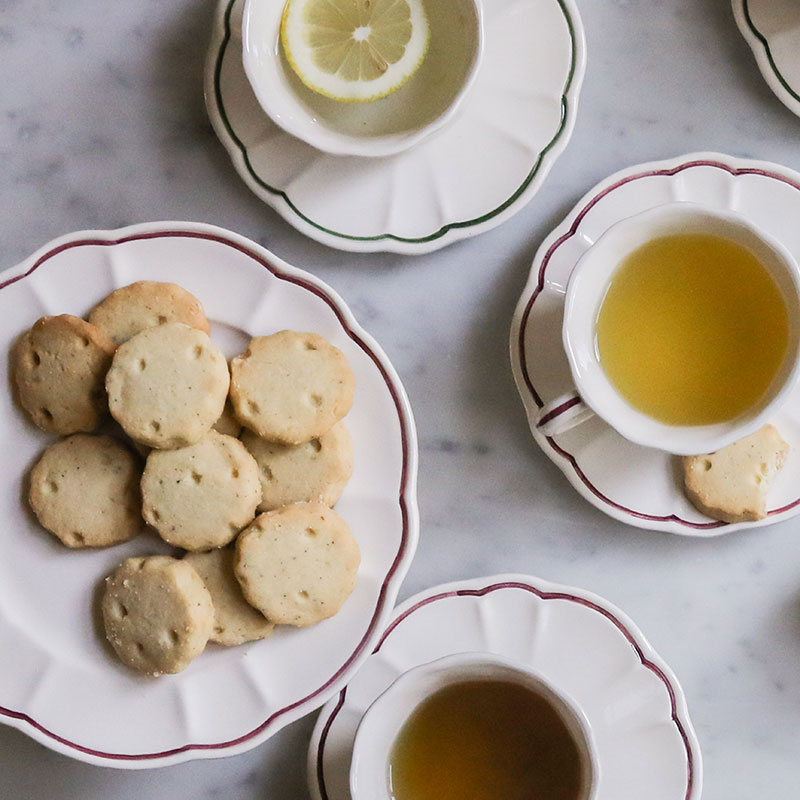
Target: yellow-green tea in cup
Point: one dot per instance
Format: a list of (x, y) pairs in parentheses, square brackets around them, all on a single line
[(692, 330)]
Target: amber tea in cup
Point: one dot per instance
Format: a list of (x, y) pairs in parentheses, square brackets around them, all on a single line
[(474, 726), (486, 740)]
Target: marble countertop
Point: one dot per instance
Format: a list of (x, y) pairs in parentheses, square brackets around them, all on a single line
[(102, 124)]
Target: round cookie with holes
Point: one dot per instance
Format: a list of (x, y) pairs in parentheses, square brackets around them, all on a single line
[(235, 620), (167, 385), (291, 387), (60, 365), (733, 483), (94, 468), (157, 614), (201, 496), (131, 309), (297, 565), (315, 471)]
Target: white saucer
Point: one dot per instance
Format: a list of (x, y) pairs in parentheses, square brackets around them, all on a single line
[(646, 746), (634, 484), (772, 29), (482, 168)]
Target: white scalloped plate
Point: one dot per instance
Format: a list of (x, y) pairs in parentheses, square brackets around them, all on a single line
[(637, 485), (479, 170), (585, 646), (772, 29), (59, 683)]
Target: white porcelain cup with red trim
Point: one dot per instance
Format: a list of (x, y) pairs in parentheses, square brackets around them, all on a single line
[(384, 719), (594, 394)]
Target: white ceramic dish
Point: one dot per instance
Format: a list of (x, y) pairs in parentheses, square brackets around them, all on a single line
[(578, 642), (772, 29), (59, 683), (637, 485), (348, 128), (479, 170)]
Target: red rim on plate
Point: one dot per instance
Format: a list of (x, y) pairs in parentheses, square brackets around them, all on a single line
[(586, 600), (406, 492), (577, 217)]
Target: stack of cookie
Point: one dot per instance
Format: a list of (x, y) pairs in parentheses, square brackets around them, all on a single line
[(145, 356)]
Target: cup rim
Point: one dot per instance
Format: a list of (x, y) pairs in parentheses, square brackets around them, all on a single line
[(380, 725), (596, 389), (276, 97)]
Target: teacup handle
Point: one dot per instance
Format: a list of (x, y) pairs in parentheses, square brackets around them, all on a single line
[(563, 413)]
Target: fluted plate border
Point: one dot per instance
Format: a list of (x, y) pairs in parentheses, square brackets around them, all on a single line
[(586, 646), (471, 176), (59, 683)]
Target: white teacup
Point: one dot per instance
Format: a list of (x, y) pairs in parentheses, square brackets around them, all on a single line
[(384, 719), (428, 100), (594, 392)]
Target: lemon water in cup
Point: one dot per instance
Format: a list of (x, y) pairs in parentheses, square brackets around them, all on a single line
[(354, 51), (361, 77)]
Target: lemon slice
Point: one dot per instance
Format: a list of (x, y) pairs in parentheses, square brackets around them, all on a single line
[(354, 50)]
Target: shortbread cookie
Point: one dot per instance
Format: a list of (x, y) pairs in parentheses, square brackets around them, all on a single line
[(167, 385), (85, 489), (60, 365), (316, 471), (297, 565), (157, 613), (145, 304), (291, 387), (235, 620), (201, 496), (227, 423), (732, 484)]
